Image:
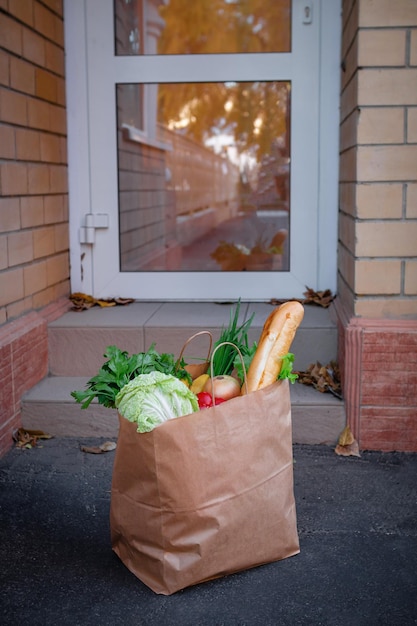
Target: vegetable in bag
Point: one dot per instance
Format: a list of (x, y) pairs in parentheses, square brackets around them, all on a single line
[(151, 399)]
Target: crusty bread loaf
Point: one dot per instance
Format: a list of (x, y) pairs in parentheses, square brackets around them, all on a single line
[(275, 341)]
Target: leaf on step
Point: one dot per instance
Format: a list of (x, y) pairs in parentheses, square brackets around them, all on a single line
[(323, 378), (82, 296), (319, 298), (347, 444), (107, 446), (105, 303), (82, 301), (28, 438), (124, 301)]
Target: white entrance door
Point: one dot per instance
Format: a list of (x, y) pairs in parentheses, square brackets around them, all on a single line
[(187, 242)]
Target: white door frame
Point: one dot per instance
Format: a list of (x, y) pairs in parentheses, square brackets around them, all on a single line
[(90, 189)]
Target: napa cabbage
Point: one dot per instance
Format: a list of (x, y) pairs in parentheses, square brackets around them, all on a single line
[(151, 399)]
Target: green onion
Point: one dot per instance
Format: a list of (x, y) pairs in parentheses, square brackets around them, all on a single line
[(223, 361)]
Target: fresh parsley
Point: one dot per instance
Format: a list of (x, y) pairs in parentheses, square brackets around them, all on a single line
[(120, 368)]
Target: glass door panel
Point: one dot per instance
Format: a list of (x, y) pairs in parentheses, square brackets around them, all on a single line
[(204, 176), (202, 26)]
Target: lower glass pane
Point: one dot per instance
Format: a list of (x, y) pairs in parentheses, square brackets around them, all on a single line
[(204, 176)]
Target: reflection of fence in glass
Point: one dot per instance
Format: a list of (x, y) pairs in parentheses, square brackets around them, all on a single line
[(180, 199), (170, 198), (202, 26), (205, 186)]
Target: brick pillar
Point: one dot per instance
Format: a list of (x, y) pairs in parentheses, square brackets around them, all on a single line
[(377, 267)]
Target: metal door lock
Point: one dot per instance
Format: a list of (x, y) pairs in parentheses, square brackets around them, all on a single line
[(307, 12)]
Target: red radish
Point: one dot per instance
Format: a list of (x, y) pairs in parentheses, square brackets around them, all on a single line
[(205, 401), (225, 387)]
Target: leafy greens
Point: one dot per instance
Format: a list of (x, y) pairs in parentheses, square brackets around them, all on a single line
[(286, 368), (151, 399), (122, 368)]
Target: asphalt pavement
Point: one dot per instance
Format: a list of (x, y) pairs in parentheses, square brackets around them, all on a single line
[(357, 522)]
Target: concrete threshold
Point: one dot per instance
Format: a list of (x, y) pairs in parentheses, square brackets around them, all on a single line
[(77, 341)]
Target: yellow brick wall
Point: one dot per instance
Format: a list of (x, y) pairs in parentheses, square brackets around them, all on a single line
[(378, 160), (34, 247)]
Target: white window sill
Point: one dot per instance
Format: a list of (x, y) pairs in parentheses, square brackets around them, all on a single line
[(130, 133)]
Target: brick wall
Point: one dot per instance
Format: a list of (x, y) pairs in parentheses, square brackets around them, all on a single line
[(34, 255), (378, 171), (377, 280), (34, 258)]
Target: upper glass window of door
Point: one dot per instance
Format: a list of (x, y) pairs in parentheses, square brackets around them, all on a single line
[(146, 27)]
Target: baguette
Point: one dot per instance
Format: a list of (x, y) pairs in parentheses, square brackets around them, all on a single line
[(275, 341)]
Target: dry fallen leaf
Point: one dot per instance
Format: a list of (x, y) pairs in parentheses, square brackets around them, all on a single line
[(347, 444), (320, 298), (107, 446), (323, 378), (82, 301), (346, 437), (28, 438)]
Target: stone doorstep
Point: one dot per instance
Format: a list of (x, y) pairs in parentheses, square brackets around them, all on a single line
[(317, 418), (77, 340)]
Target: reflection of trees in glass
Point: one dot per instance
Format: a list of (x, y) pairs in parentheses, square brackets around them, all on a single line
[(253, 114), (258, 115), (225, 26)]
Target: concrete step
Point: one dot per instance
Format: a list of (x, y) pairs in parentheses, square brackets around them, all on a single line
[(77, 340), (317, 418)]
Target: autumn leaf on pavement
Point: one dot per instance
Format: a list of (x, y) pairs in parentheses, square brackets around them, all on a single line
[(107, 446), (347, 444), (27, 439)]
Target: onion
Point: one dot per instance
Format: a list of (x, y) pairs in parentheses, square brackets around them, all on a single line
[(225, 387)]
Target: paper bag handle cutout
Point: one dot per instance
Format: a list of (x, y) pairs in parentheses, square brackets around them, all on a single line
[(196, 369), (226, 343)]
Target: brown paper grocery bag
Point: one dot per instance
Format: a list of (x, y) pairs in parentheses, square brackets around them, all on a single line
[(207, 494)]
